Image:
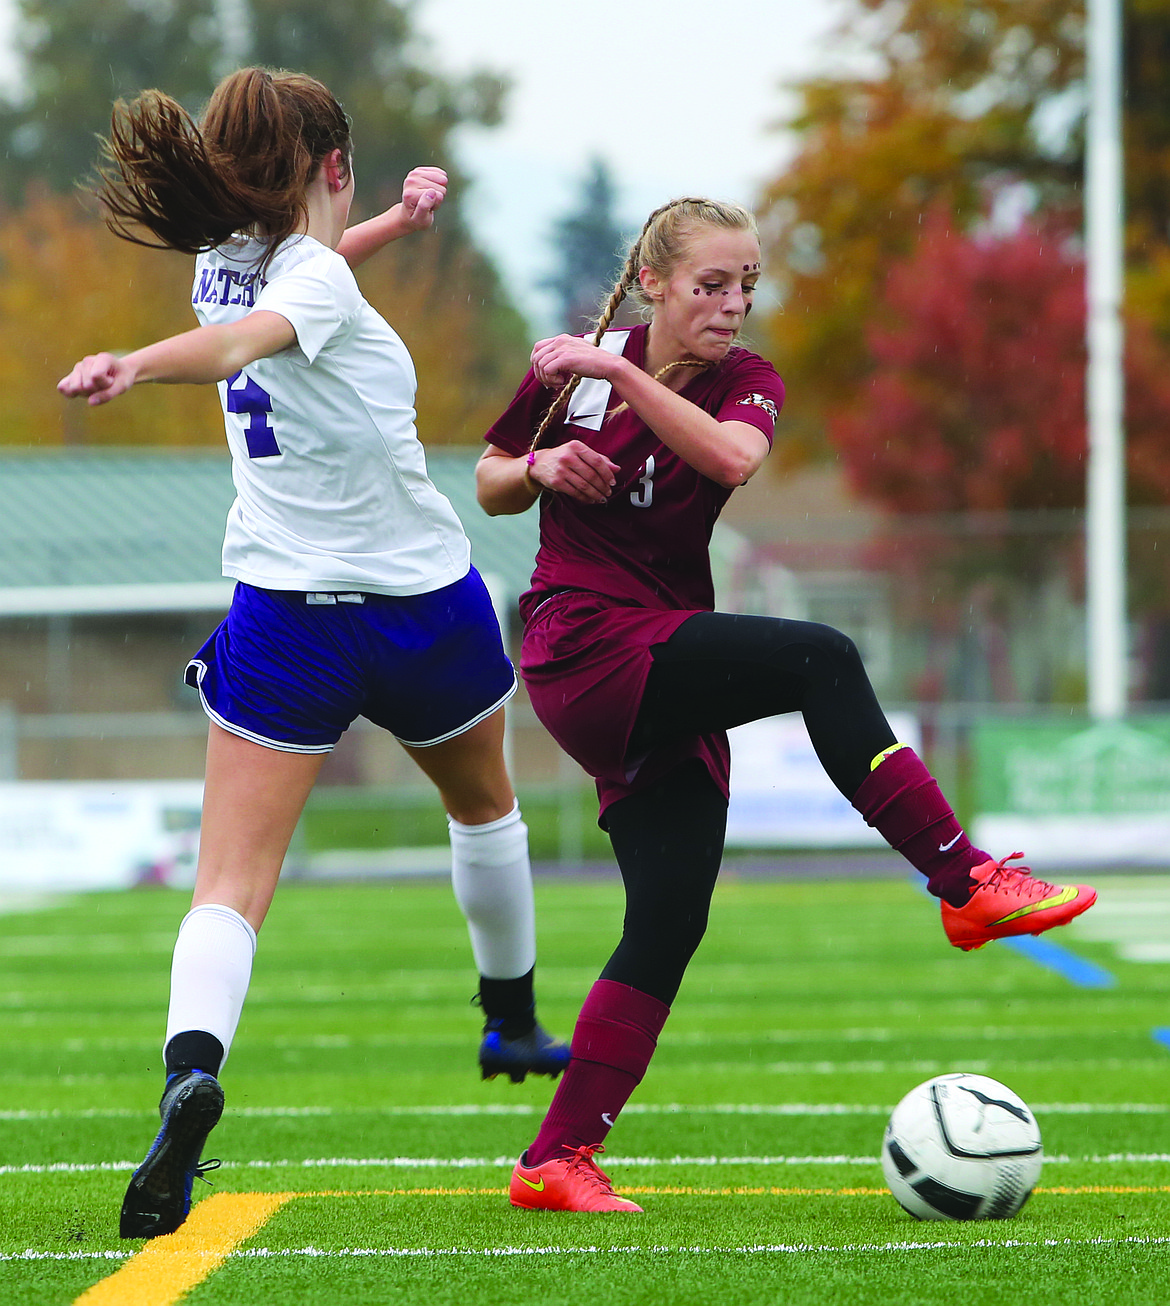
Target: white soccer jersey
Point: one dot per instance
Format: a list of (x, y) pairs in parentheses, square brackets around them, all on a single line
[(331, 480)]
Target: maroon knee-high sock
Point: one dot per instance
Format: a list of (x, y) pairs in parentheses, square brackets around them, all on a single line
[(614, 1039), (902, 801)]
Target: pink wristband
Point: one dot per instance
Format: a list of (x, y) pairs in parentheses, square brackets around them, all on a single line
[(532, 458)]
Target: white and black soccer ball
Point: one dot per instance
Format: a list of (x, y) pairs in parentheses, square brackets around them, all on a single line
[(962, 1147)]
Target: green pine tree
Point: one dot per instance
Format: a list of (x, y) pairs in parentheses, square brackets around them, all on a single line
[(588, 243)]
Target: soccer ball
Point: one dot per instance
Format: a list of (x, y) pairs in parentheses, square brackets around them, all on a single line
[(962, 1147)]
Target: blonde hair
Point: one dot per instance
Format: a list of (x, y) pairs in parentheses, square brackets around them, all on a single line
[(661, 246)]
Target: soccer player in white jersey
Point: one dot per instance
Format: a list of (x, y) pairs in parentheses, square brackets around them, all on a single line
[(355, 593)]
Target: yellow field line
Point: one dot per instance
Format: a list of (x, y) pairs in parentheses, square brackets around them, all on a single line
[(170, 1266)]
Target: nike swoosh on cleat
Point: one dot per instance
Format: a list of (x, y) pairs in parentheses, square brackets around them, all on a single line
[(946, 847), (536, 1188), (1067, 894), (606, 1120)]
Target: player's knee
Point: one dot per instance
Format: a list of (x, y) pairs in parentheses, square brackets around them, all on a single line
[(842, 649), (673, 938), (831, 641), (478, 799), (484, 810), (825, 648)]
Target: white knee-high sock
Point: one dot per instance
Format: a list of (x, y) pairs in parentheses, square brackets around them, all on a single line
[(210, 972), (492, 879)]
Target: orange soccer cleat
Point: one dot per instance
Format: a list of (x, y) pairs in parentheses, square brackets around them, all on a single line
[(571, 1183), (1008, 901)]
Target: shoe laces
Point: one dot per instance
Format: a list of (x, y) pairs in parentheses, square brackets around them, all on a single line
[(581, 1159), (201, 1170), (1016, 878)]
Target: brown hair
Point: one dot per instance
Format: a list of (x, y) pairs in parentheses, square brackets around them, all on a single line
[(661, 246), (244, 167)]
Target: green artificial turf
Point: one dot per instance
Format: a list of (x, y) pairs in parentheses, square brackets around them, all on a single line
[(752, 1143), (413, 817)]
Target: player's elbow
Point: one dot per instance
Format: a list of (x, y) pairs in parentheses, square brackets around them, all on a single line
[(490, 496), (494, 491), (737, 457), (734, 467)]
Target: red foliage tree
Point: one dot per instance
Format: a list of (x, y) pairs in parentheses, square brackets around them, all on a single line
[(976, 400)]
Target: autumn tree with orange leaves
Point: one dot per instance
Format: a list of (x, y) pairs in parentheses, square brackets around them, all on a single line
[(967, 105), (69, 288), (926, 237)]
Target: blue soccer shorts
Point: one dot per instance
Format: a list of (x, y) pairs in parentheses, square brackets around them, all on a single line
[(292, 671)]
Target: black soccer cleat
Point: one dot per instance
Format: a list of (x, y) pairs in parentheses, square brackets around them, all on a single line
[(534, 1053), (158, 1199)]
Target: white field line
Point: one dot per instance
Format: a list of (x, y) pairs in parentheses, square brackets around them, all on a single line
[(757, 1249), (998, 1067), (507, 1162), (632, 1109), (748, 1250), (31, 1255), (685, 1038)]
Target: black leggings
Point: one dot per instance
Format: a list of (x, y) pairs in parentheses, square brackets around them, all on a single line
[(716, 671)]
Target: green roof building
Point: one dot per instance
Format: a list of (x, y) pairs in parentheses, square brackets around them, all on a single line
[(127, 531)]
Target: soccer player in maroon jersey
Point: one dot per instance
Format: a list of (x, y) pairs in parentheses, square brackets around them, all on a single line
[(632, 442)]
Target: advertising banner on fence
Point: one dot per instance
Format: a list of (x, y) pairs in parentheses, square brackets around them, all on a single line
[(781, 796), (65, 835), (1074, 794)]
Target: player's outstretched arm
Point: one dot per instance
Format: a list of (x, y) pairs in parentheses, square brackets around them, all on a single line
[(198, 357), (422, 193)]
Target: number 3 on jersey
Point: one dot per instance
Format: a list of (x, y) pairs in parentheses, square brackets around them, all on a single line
[(255, 404), (644, 496)]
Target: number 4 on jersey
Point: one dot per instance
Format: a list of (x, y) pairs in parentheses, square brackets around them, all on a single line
[(255, 404)]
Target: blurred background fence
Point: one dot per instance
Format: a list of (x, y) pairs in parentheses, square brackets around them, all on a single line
[(963, 620)]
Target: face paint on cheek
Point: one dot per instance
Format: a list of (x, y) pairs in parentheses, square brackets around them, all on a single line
[(695, 291)]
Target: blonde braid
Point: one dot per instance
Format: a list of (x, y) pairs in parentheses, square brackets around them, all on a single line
[(627, 278), (662, 371), (663, 255), (555, 408)]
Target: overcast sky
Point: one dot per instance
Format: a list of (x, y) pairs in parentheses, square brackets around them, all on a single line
[(675, 95)]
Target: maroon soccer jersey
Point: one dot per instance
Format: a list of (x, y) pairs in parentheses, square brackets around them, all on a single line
[(648, 545), (631, 571)]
